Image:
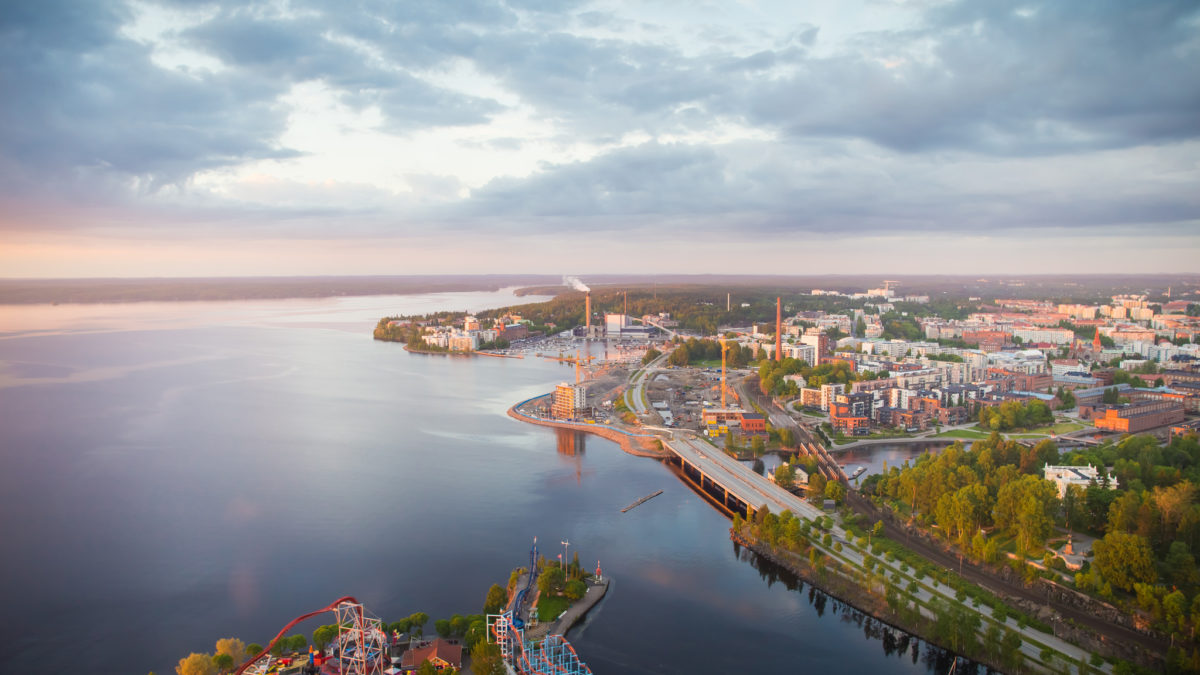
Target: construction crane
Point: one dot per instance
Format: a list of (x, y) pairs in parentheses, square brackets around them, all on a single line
[(578, 360)]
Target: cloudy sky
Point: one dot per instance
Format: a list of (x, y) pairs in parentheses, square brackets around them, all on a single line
[(373, 137)]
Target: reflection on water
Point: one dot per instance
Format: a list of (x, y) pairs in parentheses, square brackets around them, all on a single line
[(894, 643), (570, 442), (571, 448), (883, 456)]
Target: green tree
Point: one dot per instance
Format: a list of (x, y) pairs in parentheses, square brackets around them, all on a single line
[(552, 581), (495, 601), (1124, 560), (574, 589), (816, 486), (196, 664), (253, 649), (1011, 648), (442, 626), (787, 438), (1024, 507), (417, 621), (1180, 566), (223, 662), (835, 490), (486, 659), (427, 668), (758, 446), (679, 357), (323, 636), (234, 648), (785, 476), (651, 354)]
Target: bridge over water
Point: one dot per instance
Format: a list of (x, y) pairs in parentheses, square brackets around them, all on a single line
[(729, 482)]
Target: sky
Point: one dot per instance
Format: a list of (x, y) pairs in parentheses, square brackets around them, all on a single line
[(294, 137)]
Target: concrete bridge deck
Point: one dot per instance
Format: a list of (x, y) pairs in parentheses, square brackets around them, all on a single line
[(736, 485)]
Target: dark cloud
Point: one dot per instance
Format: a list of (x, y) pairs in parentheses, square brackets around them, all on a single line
[(87, 112), (1045, 78), (81, 100), (754, 189)]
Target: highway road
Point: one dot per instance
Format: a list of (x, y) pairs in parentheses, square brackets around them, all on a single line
[(634, 397), (738, 478)]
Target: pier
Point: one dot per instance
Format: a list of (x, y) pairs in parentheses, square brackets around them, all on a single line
[(641, 501)]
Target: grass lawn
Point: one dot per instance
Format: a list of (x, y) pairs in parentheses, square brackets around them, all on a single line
[(549, 607), (705, 363), (874, 437), (1060, 428), (963, 433)]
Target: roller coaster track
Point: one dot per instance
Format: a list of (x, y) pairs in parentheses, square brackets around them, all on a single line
[(351, 621), (552, 656)]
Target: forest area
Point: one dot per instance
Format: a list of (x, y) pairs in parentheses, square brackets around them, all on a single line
[(992, 503)]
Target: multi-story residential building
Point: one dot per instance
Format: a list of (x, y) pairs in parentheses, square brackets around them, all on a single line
[(811, 397), (819, 340), (801, 352), (570, 400), (463, 342), (829, 394), (1078, 311), (1056, 336)]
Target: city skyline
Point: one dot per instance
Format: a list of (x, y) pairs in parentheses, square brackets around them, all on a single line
[(219, 139)]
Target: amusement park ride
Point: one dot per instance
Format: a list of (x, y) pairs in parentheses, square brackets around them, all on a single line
[(361, 647), (552, 656)]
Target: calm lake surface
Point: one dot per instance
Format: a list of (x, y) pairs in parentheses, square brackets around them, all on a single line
[(175, 473)]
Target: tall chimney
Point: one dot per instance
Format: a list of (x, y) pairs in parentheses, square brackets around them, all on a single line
[(778, 329), (727, 302), (587, 314)]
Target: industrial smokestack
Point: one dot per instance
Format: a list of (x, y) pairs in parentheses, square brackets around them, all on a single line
[(778, 329), (587, 311)]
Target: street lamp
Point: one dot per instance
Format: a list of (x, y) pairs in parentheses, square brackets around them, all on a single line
[(565, 544)]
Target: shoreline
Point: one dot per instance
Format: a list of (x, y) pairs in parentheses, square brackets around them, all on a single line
[(837, 586), (640, 445), (576, 612), (429, 351)]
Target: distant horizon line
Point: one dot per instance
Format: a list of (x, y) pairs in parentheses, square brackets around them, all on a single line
[(610, 275)]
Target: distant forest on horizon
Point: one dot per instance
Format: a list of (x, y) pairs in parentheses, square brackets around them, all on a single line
[(1079, 287)]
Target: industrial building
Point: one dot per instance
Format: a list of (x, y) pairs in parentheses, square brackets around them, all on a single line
[(1137, 417)]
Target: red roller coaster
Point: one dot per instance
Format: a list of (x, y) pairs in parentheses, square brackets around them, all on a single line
[(361, 640)]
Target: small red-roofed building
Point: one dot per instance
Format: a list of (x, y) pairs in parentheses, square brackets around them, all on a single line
[(441, 653)]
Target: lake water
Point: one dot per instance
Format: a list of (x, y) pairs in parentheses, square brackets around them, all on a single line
[(175, 473)]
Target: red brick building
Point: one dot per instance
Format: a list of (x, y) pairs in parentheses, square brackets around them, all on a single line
[(1137, 417)]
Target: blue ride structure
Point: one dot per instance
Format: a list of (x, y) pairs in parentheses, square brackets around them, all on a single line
[(553, 655)]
